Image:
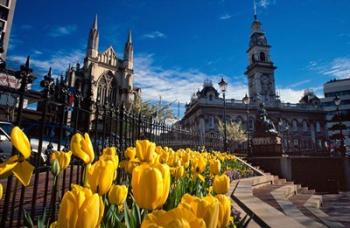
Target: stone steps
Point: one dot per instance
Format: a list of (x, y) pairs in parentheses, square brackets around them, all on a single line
[(276, 202)]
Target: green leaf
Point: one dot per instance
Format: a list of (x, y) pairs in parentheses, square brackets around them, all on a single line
[(27, 219), (137, 214)]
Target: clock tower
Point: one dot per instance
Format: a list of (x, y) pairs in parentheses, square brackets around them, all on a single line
[(260, 71)]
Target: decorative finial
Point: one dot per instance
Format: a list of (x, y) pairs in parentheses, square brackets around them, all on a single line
[(255, 17), (129, 37)]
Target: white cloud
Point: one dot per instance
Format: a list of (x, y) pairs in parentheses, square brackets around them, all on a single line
[(154, 35), (59, 61), (290, 95), (62, 30), (176, 84), (266, 3), (225, 17), (339, 68), (37, 52), (296, 84)]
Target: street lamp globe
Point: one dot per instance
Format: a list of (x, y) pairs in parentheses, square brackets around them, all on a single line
[(246, 99), (223, 85), (337, 101)]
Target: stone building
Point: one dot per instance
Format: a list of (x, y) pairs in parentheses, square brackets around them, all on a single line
[(302, 125), (338, 88), (104, 78)]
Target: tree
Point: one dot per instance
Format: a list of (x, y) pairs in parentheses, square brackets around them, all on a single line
[(160, 112), (234, 131)]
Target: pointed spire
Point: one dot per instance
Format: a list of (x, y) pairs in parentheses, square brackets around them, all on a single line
[(49, 74), (94, 25), (27, 62)]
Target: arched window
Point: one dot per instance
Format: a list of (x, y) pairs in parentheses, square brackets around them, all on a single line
[(253, 58), (262, 57), (305, 126), (295, 125), (102, 90)]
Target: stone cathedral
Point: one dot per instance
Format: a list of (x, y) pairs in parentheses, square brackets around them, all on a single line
[(105, 77), (301, 125)]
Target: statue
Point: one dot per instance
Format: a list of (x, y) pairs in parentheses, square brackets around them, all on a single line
[(264, 125)]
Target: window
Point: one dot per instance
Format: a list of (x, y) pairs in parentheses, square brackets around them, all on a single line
[(318, 127), (210, 97), (305, 127), (295, 125), (262, 57), (211, 122)]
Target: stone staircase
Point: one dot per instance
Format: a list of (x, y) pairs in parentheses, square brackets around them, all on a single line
[(275, 202)]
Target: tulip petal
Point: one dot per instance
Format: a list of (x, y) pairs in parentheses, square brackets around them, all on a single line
[(89, 212), (23, 171), (8, 165), (68, 212), (21, 142)]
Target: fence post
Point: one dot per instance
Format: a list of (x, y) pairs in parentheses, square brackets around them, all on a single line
[(121, 126)]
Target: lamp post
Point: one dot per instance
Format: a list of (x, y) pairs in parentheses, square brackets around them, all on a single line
[(223, 87), (246, 101), (337, 102)]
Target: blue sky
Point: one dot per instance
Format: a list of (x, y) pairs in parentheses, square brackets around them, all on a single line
[(179, 44)]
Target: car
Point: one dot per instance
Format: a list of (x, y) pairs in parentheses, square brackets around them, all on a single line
[(6, 146)]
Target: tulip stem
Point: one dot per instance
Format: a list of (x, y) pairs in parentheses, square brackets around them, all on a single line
[(86, 168), (52, 213)]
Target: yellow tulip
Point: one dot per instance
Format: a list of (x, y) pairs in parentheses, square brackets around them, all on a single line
[(176, 218), (215, 167), (109, 153), (130, 153), (224, 210), (221, 184), (21, 142), (117, 194), (206, 208), (199, 165), (1, 191), (150, 185), (179, 172), (17, 165), (100, 176), (80, 208), (63, 158), (82, 147), (145, 150), (129, 165)]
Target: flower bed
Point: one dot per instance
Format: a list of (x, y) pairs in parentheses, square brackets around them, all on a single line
[(153, 186)]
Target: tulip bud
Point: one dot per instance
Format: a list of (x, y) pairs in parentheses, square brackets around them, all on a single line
[(80, 208), (145, 150), (221, 184), (215, 167), (179, 172), (150, 185), (100, 176), (117, 194), (55, 168)]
